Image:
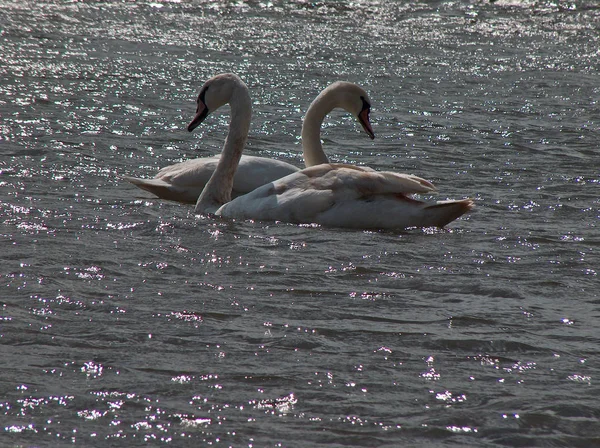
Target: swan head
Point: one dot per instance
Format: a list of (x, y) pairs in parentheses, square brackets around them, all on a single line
[(350, 97), (216, 92)]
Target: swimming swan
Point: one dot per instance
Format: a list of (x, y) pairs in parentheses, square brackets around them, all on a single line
[(184, 181), (335, 195)]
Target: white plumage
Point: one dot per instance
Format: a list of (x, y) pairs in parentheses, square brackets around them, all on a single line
[(335, 195), (184, 181)]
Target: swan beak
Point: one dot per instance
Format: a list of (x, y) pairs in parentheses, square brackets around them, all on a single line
[(363, 118), (201, 114)]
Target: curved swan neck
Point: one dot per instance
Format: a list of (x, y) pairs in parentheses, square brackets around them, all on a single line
[(218, 189), (312, 149)]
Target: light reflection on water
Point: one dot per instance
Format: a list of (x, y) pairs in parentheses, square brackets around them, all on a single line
[(126, 319)]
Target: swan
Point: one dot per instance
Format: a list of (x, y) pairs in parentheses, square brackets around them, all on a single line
[(333, 195), (184, 181)]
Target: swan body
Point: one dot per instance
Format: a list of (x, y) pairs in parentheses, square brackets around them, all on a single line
[(184, 181), (335, 195), (347, 196)]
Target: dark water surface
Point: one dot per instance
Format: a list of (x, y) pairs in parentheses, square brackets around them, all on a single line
[(128, 321)]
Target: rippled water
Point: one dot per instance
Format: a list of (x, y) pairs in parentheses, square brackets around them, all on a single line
[(128, 321)]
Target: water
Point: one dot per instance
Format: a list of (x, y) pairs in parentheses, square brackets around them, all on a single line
[(128, 321)]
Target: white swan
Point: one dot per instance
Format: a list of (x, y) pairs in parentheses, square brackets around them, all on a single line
[(184, 181), (334, 195)]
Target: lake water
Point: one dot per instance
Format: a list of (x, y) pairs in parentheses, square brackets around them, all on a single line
[(129, 321)]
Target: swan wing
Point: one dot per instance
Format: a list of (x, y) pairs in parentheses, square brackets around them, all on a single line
[(189, 173), (362, 181), (254, 172)]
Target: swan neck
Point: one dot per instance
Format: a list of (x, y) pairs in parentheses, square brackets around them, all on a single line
[(312, 149), (218, 189)]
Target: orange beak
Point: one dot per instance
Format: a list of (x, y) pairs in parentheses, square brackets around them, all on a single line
[(201, 114), (363, 119)]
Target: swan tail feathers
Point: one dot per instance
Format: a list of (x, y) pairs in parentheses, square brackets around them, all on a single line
[(163, 190), (444, 212)]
